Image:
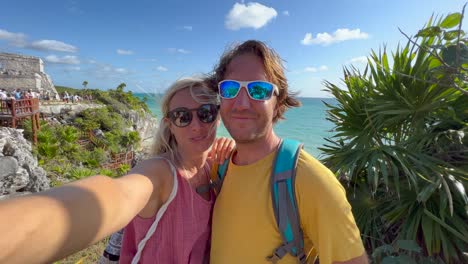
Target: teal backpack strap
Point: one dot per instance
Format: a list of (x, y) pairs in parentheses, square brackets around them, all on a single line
[(283, 196), (217, 183)]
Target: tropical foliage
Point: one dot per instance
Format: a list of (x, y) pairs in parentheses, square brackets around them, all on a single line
[(400, 146), (91, 138)]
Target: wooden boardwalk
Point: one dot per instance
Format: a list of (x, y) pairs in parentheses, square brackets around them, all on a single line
[(14, 112)]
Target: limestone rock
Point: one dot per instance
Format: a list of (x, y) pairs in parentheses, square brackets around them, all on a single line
[(8, 166), (19, 171)]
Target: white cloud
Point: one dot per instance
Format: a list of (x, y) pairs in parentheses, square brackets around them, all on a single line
[(14, 39), (341, 34), (73, 68), (121, 70), (286, 13), (147, 60), (189, 28), (359, 60), (68, 59), (52, 45), (162, 68), (175, 50), (124, 52), (183, 51), (310, 69), (250, 15), (315, 69)]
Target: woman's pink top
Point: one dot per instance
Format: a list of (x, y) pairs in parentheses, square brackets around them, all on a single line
[(182, 235)]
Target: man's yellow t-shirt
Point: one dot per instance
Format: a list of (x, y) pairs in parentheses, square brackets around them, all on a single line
[(244, 225)]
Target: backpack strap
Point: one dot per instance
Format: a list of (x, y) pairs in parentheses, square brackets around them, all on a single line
[(217, 173), (283, 197), (216, 181)]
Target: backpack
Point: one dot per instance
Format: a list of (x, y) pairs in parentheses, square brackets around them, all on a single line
[(283, 196)]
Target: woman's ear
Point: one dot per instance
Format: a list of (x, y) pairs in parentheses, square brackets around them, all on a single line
[(168, 123)]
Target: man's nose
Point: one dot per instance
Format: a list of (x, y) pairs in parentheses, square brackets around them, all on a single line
[(242, 100)]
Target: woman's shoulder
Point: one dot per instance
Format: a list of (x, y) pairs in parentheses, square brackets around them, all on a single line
[(156, 168)]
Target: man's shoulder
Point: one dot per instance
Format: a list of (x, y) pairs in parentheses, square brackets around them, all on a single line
[(311, 173), (309, 163)]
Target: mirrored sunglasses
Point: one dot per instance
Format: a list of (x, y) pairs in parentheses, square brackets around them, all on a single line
[(183, 116), (257, 90)]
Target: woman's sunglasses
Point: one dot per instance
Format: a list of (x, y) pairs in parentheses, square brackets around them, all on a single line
[(257, 90), (182, 116)]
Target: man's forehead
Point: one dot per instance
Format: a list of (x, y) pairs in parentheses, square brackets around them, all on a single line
[(246, 67)]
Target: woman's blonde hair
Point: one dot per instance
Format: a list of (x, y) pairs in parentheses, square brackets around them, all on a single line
[(164, 141)]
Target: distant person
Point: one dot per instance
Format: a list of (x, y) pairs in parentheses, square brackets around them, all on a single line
[(10, 100), (166, 198), (28, 94), (254, 96), (65, 97), (3, 94), (17, 94)]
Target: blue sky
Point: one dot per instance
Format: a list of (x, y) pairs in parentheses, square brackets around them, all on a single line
[(149, 44)]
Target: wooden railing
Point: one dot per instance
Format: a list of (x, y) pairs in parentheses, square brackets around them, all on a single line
[(18, 108), (13, 112), (87, 138), (119, 159)]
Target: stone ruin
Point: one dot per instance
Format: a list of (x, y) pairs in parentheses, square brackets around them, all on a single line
[(24, 72)]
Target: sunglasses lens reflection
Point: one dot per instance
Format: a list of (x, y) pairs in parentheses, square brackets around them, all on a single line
[(258, 90), (182, 117)]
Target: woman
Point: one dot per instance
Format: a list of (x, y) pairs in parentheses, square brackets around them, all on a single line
[(172, 225), (175, 223)]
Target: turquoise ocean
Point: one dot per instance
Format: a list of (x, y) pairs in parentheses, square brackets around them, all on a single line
[(307, 123)]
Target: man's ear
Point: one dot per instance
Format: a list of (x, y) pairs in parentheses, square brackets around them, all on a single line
[(276, 110)]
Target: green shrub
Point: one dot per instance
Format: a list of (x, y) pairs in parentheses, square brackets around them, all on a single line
[(132, 138), (68, 134), (123, 169), (81, 172), (399, 144), (107, 172), (48, 149)]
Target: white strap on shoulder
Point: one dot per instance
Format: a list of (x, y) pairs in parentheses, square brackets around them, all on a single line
[(159, 215)]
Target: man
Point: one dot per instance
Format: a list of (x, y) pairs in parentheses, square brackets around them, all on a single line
[(244, 226)]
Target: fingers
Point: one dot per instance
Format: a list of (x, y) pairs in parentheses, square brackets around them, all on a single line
[(224, 148), (221, 154), (230, 147), (213, 150)]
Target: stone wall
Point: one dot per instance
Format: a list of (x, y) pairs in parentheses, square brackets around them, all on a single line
[(70, 109), (24, 72)]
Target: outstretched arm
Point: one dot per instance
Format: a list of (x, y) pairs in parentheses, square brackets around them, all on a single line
[(50, 225)]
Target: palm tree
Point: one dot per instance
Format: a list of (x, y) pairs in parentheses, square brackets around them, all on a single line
[(85, 84), (399, 144)]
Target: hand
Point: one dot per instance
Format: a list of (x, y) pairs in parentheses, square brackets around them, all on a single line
[(221, 149)]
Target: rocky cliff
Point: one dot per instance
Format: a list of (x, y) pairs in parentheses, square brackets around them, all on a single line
[(146, 125), (19, 171)]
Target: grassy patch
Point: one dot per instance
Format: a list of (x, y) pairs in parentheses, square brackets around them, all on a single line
[(88, 255)]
